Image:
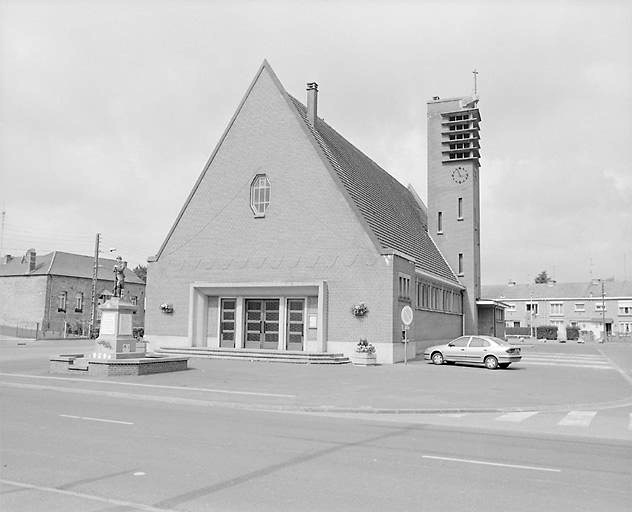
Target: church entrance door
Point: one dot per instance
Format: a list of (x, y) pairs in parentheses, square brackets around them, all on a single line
[(262, 324)]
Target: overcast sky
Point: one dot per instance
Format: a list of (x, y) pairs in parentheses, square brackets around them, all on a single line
[(109, 110)]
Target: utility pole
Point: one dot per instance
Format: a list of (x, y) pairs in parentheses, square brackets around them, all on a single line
[(603, 311), (4, 213), (603, 304), (95, 275)]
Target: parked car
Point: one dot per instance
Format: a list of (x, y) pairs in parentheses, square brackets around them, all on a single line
[(488, 350)]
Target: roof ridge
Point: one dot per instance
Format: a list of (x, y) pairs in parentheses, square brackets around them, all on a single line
[(50, 266), (387, 207), (386, 173)]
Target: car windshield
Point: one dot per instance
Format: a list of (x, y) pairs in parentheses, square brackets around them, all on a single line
[(500, 342)]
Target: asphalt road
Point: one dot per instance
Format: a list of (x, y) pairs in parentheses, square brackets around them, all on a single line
[(82, 452)]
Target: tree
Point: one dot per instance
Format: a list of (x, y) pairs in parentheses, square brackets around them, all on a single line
[(141, 272), (542, 278)]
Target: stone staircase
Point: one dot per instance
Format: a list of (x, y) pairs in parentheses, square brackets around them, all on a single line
[(266, 356)]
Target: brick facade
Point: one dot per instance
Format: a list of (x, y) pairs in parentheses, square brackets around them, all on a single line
[(311, 233), (23, 300)]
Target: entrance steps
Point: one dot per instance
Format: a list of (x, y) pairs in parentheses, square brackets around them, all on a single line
[(267, 356)]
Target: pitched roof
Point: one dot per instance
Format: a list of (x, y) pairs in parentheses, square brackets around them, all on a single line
[(58, 263), (392, 212), (583, 290), (396, 219)]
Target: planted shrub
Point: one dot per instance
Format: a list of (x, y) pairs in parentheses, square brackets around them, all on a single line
[(548, 332), (518, 331), (572, 333)]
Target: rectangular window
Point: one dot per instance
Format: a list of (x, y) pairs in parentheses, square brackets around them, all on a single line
[(61, 304), (580, 307), (459, 209), (625, 328), (439, 222), (404, 287), (79, 303), (625, 307), (532, 307), (460, 263), (556, 308), (134, 300)]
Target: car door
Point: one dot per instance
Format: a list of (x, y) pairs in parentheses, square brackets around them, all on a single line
[(455, 350), (477, 350)]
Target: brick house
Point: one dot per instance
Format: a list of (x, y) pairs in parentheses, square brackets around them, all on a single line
[(53, 292), (580, 305), (287, 229)]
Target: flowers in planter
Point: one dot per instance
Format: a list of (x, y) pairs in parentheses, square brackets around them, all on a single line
[(166, 308), (364, 346), (360, 309)]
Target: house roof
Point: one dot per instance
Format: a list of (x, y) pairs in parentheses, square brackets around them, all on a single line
[(396, 219), (583, 290), (58, 263), (393, 213)]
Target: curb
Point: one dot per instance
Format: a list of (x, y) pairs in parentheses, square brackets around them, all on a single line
[(323, 409)]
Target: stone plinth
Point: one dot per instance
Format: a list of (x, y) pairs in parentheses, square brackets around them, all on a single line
[(78, 364), (116, 340), (115, 350)]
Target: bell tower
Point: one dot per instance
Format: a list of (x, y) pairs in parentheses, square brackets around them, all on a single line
[(453, 193)]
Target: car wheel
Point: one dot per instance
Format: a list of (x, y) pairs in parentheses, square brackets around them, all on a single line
[(491, 362), (504, 365), (437, 358)]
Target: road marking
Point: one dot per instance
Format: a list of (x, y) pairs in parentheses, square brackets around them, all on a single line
[(139, 473), (88, 418), (516, 417), (453, 415), (623, 374), (485, 463), (111, 501), (562, 355), (577, 419), (630, 424), (571, 365), (157, 386)]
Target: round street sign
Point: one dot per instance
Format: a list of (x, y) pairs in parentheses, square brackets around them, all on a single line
[(407, 315)]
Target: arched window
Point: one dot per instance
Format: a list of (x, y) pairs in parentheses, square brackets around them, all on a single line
[(260, 195)]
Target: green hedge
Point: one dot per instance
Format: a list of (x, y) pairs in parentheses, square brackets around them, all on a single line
[(548, 332), (572, 333), (518, 331)]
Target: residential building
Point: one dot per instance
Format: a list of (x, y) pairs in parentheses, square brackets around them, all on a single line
[(287, 231), (52, 293), (580, 305)]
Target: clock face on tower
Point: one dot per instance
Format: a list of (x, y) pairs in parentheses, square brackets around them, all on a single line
[(460, 174)]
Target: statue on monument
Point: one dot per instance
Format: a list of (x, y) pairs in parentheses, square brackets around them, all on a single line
[(119, 276)]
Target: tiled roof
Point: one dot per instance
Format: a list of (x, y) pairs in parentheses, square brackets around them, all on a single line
[(558, 290), (390, 209), (59, 263)]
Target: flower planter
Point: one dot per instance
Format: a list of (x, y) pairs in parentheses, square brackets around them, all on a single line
[(364, 359)]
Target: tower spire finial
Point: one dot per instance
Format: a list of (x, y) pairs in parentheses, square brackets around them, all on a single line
[(475, 73)]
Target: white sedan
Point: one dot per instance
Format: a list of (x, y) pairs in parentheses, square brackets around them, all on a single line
[(488, 350)]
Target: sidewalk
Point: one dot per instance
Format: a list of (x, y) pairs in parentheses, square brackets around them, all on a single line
[(413, 388)]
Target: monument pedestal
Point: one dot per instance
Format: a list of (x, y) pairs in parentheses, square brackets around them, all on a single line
[(116, 340), (115, 352)]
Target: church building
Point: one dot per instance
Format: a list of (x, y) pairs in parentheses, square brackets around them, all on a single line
[(292, 239)]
